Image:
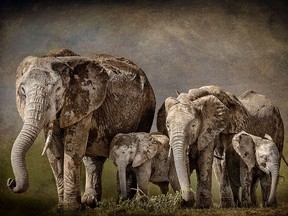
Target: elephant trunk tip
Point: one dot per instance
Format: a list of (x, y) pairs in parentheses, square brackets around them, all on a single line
[(11, 183)]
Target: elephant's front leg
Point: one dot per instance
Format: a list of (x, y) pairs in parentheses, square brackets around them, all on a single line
[(204, 178), (93, 186), (246, 182), (225, 188), (55, 154), (76, 137), (143, 174)]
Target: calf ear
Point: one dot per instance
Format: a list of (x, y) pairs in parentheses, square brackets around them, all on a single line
[(147, 149), (244, 145), (114, 145)]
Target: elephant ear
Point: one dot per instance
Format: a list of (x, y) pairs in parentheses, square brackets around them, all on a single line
[(162, 114), (86, 90), (163, 145), (161, 120), (214, 116), (115, 143), (147, 149), (238, 115), (244, 145)]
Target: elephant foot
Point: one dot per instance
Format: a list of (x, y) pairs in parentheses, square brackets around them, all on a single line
[(71, 207), (89, 198), (270, 205), (245, 204), (187, 204), (227, 203), (204, 204)]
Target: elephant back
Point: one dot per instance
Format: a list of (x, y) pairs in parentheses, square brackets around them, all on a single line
[(264, 117)]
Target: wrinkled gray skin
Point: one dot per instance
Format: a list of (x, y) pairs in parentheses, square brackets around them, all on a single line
[(200, 119), (82, 103), (263, 118), (251, 158), (147, 156)]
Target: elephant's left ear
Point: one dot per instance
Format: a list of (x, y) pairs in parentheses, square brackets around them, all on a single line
[(147, 149), (215, 119), (244, 144), (86, 90)]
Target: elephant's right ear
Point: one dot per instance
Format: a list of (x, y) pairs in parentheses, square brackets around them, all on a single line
[(113, 146), (169, 102), (244, 145), (86, 91)]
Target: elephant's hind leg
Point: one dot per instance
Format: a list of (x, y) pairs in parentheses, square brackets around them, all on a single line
[(93, 186)]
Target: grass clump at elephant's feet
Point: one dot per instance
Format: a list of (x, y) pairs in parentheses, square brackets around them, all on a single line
[(155, 205)]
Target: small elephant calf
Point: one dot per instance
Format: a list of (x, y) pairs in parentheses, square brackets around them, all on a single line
[(147, 156), (257, 158)]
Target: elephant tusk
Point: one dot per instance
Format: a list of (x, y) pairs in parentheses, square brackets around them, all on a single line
[(169, 153), (49, 138)]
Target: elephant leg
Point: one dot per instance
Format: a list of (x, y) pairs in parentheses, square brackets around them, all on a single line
[(204, 178), (235, 191), (76, 137), (254, 202), (93, 186), (55, 154), (265, 182), (131, 183), (246, 182), (143, 174), (226, 189), (164, 187)]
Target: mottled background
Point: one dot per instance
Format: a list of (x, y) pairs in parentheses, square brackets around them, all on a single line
[(238, 45)]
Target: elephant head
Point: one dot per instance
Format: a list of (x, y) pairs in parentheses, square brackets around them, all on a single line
[(197, 118), (259, 152), (135, 149), (60, 86)]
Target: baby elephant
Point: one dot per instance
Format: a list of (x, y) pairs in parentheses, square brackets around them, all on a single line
[(147, 156), (259, 159)]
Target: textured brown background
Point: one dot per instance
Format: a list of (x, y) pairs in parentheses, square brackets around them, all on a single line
[(238, 45)]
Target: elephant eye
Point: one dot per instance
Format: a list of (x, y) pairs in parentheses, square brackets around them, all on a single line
[(264, 157), (22, 90), (167, 126)]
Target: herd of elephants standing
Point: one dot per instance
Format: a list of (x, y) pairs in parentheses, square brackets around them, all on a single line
[(101, 106)]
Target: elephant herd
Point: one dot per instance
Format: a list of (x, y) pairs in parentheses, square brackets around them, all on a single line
[(101, 106)]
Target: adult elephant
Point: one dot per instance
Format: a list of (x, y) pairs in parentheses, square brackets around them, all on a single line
[(263, 118), (81, 103), (196, 121)]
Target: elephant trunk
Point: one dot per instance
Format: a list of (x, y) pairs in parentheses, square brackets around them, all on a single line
[(122, 180), (275, 177), (177, 144), (25, 139)]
